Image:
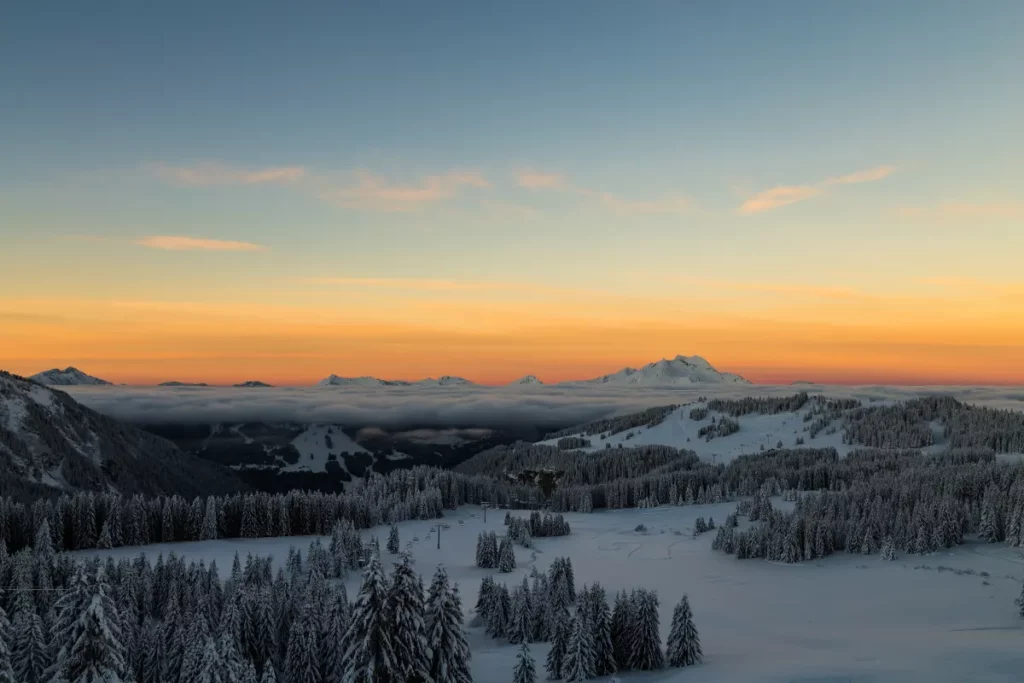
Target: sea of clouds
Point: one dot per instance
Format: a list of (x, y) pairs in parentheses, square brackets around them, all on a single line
[(443, 407)]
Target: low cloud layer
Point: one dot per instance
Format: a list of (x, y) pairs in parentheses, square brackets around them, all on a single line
[(395, 408)]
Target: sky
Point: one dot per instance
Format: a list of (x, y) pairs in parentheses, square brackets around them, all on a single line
[(218, 192)]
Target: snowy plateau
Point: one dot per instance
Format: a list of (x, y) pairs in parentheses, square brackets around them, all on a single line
[(939, 618)]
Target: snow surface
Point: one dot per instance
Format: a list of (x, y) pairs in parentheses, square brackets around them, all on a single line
[(526, 380), (679, 431), (843, 618), (313, 450)]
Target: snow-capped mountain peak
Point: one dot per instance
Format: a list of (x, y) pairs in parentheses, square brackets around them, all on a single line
[(252, 384), (69, 376), (681, 370), (445, 381), (528, 379), (364, 381)]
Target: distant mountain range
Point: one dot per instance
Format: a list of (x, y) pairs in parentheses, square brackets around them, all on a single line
[(678, 371), (681, 370)]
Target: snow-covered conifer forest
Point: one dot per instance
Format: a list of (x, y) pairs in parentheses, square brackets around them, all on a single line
[(884, 545)]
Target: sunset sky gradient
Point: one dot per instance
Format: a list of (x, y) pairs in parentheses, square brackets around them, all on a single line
[(795, 190)]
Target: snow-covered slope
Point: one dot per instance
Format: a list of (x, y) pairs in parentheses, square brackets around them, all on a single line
[(49, 439), (317, 444), (67, 377), (681, 370), (757, 433), (527, 380)]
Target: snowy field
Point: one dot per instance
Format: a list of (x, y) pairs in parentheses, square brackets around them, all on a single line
[(845, 618)]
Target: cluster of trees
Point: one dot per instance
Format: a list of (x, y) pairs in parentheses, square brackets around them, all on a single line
[(763, 405), (522, 530), (90, 520), (879, 501), (588, 637), (613, 425), (568, 443), (723, 427), (699, 413), (491, 555), (130, 621)]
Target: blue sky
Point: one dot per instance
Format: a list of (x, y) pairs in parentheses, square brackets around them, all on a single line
[(577, 143)]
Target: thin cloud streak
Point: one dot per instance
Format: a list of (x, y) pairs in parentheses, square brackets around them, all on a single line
[(376, 192), (211, 173), (669, 204), (951, 209), (182, 243), (785, 195)]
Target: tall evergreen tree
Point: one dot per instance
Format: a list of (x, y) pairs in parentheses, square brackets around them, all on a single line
[(578, 664), (525, 671), (683, 642), (96, 654), (645, 640), (506, 557), (6, 672), (601, 623), (449, 657), (370, 655), (302, 663), (406, 613), (622, 619), (500, 612), (559, 644), (393, 542), (28, 643)]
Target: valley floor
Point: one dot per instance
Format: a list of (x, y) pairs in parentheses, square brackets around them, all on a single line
[(948, 616)]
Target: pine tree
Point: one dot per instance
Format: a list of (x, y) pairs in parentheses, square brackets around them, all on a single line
[(268, 673), (559, 644), (683, 641), (622, 619), (506, 557), (406, 613), (370, 655), (601, 624), (645, 640), (393, 543), (578, 664), (302, 662), (96, 653), (450, 656), (334, 633), (1020, 603), (525, 671), (6, 672), (28, 642), (208, 667), (888, 550)]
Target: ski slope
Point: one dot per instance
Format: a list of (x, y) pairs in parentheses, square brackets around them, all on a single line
[(756, 431), (844, 618)]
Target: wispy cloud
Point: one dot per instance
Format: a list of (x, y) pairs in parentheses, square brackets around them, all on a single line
[(776, 197), (377, 192), (784, 195), (181, 243), (536, 180), (949, 209), (868, 176), (771, 287), (210, 173), (973, 286)]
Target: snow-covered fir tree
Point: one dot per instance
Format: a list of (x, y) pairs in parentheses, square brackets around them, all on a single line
[(449, 656), (406, 613), (96, 653), (683, 647), (601, 624), (28, 641), (578, 663), (393, 542), (520, 628), (302, 662), (525, 671), (499, 611), (506, 557), (622, 620), (888, 552), (645, 639), (370, 655), (6, 672), (560, 625), (1020, 603)]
